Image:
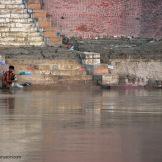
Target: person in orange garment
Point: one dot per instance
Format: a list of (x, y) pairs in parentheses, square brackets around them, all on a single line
[(8, 77)]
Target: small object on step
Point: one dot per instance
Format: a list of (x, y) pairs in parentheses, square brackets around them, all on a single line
[(25, 73), (26, 84), (110, 67), (17, 85)]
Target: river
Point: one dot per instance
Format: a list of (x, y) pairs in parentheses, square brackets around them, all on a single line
[(84, 125)]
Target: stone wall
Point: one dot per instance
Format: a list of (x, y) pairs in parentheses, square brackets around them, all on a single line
[(138, 68), (134, 59), (91, 18)]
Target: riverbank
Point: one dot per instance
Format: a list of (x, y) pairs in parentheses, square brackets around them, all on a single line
[(137, 61), (46, 65)]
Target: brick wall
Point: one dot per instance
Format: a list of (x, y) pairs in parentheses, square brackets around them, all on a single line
[(91, 18)]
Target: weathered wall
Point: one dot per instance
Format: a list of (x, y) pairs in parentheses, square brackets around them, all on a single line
[(47, 71), (91, 18), (132, 72), (146, 69), (151, 18)]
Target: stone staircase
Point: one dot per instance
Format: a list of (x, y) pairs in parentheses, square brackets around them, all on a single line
[(17, 28), (44, 21)]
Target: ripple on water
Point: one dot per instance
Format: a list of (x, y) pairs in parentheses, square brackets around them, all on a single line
[(82, 126)]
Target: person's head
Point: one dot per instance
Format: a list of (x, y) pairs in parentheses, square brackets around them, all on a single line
[(11, 68)]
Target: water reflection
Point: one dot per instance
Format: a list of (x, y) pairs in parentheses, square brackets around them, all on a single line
[(81, 125)]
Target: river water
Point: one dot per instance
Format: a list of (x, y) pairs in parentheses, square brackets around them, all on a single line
[(85, 125)]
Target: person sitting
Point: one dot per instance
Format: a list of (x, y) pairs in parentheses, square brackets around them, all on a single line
[(8, 77)]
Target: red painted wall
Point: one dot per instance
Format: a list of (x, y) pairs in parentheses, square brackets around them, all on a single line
[(91, 18)]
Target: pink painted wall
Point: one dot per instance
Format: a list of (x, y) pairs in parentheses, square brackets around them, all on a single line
[(151, 18), (91, 18)]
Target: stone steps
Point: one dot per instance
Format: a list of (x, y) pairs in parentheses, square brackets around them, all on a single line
[(16, 20), (17, 27), (10, 1), (44, 21), (12, 15), (19, 44), (12, 6), (22, 39), (12, 11), (19, 40), (34, 6), (16, 24), (18, 34)]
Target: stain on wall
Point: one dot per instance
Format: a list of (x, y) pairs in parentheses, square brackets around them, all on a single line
[(151, 18)]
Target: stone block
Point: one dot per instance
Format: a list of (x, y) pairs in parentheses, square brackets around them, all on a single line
[(19, 15), (36, 43), (2, 20), (101, 69), (16, 10), (5, 16), (19, 20), (4, 29), (106, 80), (10, 1), (34, 6), (90, 58), (36, 39), (110, 79), (2, 6), (13, 6)]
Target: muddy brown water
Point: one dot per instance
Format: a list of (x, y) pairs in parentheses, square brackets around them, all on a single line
[(84, 125)]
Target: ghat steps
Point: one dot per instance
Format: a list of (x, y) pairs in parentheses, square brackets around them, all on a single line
[(17, 27), (44, 21)]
